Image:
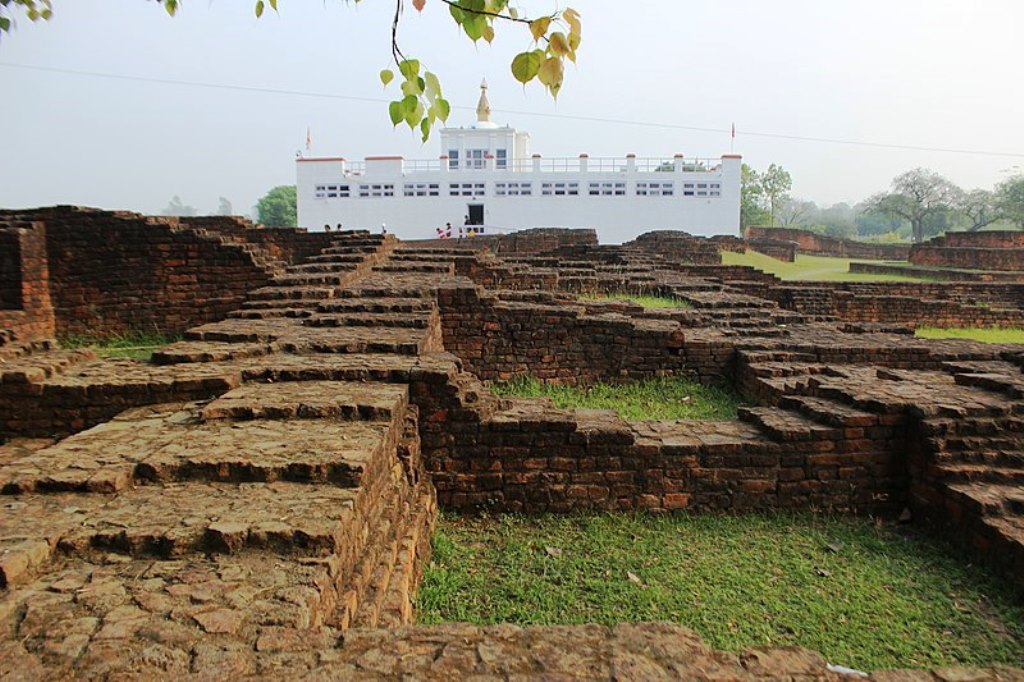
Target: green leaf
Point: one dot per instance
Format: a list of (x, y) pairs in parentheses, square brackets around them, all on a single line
[(259, 9), (525, 66), (386, 76), (474, 26), (273, 4), (457, 14), (412, 87), (5, 24), (425, 128), (443, 108), (396, 112), (432, 86), (410, 68)]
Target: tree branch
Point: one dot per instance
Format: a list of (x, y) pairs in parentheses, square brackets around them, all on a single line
[(396, 52), (498, 15)]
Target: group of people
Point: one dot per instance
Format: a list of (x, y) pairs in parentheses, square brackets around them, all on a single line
[(465, 230)]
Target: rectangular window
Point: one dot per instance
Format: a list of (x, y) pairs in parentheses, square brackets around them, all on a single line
[(475, 159), (607, 189), (560, 189), (513, 189), (453, 159), (501, 158), (654, 189), (377, 190), (466, 189), (421, 189)]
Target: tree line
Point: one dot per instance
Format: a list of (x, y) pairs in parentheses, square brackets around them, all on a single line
[(919, 204)]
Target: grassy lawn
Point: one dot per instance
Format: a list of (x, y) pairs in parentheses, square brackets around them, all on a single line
[(817, 268), (865, 596), (133, 345), (984, 334), (645, 301), (662, 398)]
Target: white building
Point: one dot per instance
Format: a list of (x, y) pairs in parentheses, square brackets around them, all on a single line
[(487, 176)]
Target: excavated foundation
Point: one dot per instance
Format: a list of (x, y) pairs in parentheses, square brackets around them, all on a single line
[(259, 499)]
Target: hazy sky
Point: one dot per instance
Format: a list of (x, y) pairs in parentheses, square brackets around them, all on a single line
[(925, 73)]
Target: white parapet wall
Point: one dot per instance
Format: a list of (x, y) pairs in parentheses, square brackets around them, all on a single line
[(620, 197)]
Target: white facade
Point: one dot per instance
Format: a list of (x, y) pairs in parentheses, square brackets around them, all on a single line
[(486, 173)]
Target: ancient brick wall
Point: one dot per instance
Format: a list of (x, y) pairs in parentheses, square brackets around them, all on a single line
[(290, 245), (111, 272), (678, 247), (499, 340), (941, 304), (778, 249), (820, 245), (996, 250), (26, 313)]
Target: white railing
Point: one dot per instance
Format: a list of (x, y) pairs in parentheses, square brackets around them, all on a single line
[(557, 165)]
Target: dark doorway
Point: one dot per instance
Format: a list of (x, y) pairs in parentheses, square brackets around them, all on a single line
[(476, 214)]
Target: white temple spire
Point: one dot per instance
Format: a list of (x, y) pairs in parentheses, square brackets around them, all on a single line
[(483, 107)]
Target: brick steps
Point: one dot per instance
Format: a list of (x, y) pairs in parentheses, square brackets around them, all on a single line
[(829, 412), (291, 293), (407, 320), (388, 305), (312, 279), (271, 312), (441, 268), (983, 473), (786, 425)]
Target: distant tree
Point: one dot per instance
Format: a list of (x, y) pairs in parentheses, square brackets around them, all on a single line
[(794, 212), (224, 207), (918, 196), (978, 207), (278, 207), (1010, 200), (775, 185), (752, 211), (176, 207), (874, 223)]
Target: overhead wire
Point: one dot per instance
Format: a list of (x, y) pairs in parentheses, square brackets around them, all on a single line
[(568, 117)]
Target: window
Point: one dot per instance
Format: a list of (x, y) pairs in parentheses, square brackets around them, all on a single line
[(654, 189), (501, 158), (421, 189), (513, 189), (560, 189), (688, 189), (715, 189), (607, 189), (331, 191), (453, 159), (376, 190), (466, 189), (475, 158)]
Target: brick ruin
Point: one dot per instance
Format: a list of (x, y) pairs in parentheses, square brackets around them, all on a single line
[(258, 500), (816, 244)]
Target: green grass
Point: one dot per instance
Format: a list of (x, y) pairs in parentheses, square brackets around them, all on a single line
[(661, 398), (816, 268), (135, 345), (983, 334), (864, 596), (645, 301)]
